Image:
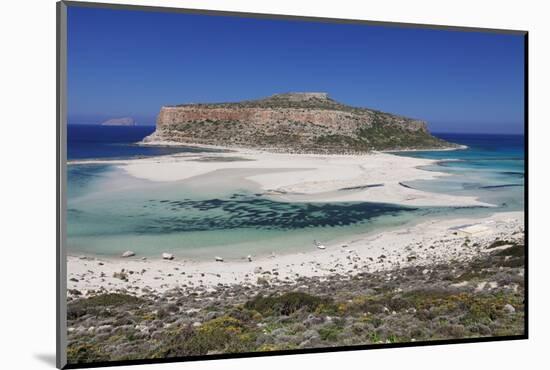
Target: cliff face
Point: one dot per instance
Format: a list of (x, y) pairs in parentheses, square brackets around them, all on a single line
[(297, 122)]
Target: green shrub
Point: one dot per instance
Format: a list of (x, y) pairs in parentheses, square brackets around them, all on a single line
[(92, 305), (222, 334), (514, 251), (286, 304), (84, 352), (330, 333)]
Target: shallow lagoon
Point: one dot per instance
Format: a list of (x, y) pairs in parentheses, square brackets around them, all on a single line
[(110, 212)]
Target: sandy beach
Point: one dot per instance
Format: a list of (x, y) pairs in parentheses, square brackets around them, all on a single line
[(373, 177)]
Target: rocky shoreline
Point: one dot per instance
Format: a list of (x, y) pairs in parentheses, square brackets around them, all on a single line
[(431, 242), (158, 140), (478, 295)]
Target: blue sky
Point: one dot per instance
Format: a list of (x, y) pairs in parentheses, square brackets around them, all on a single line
[(130, 63)]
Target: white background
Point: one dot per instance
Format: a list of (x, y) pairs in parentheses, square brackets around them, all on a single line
[(27, 180)]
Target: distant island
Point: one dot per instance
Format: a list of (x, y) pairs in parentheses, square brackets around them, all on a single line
[(292, 122), (123, 121)]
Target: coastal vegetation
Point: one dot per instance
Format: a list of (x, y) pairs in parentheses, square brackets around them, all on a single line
[(479, 297)]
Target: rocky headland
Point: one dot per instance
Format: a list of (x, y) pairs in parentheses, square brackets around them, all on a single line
[(292, 122)]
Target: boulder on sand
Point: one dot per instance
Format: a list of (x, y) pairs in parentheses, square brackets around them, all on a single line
[(167, 256)]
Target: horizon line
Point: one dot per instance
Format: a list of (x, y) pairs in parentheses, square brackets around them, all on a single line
[(432, 132)]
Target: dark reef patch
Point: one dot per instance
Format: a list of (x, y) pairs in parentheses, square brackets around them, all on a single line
[(242, 211)]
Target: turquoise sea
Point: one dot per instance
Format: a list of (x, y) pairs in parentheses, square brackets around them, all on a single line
[(110, 212)]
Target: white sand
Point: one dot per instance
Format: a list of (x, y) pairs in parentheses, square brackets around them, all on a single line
[(422, 244), (309, 177)]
